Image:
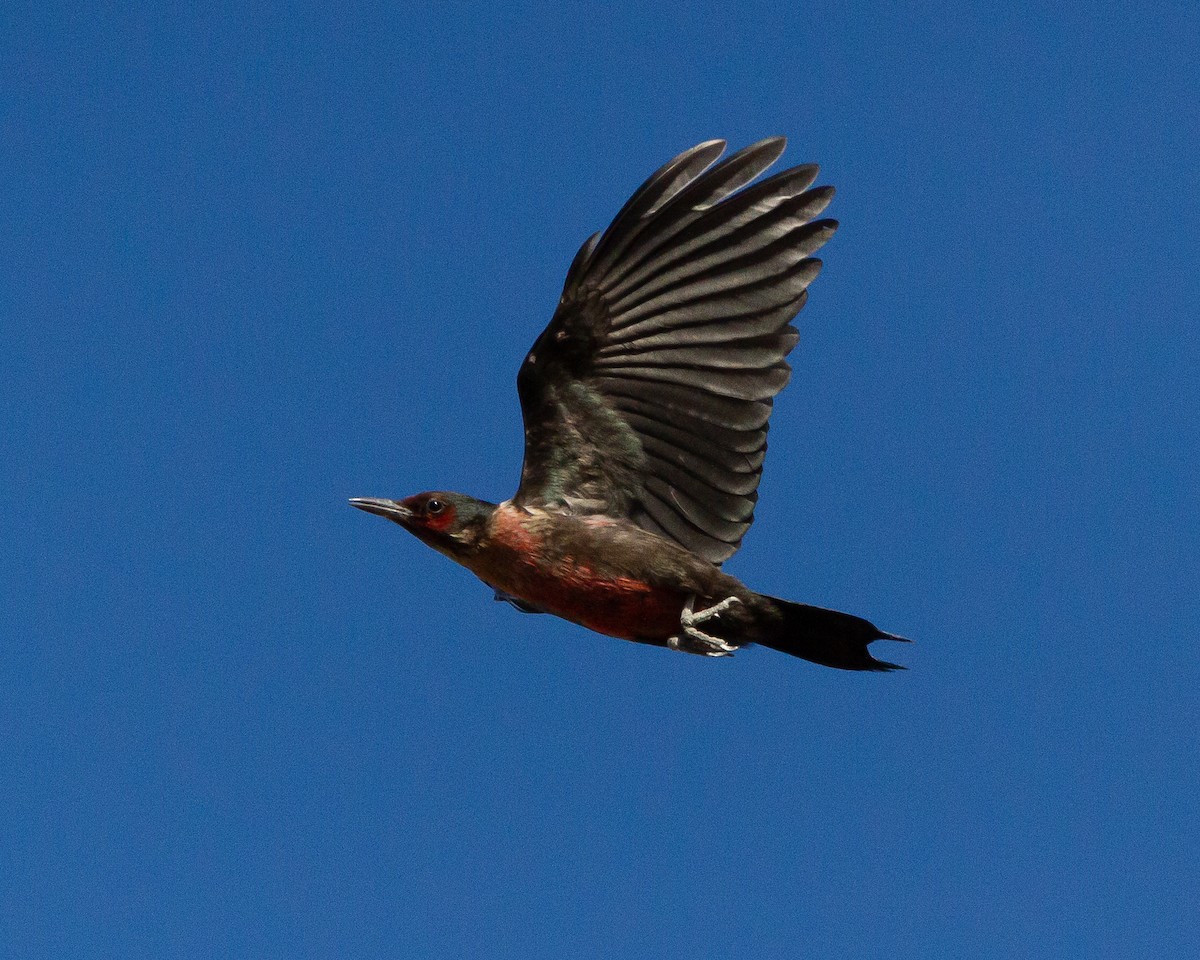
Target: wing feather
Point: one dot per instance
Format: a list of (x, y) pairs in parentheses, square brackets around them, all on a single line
[(648, 395), (679, 403), (694, 201), (721, 246)]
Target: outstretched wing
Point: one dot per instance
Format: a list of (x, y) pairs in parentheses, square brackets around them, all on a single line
[(648, 394)]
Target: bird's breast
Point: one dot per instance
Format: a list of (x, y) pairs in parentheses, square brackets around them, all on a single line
[(561, 566)]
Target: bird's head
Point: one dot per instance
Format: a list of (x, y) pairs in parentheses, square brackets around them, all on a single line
[(451, 523)]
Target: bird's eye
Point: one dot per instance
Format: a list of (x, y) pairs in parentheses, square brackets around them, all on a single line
[(434, 507)]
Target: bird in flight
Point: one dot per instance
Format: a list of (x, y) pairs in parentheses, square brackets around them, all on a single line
[(645, 404)]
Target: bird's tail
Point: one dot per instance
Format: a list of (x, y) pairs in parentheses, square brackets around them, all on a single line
[(823, 636)]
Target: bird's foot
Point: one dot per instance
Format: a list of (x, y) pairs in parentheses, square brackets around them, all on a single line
[(694, 640)]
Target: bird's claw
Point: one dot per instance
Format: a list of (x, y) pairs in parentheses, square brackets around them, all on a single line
[(694, 640)]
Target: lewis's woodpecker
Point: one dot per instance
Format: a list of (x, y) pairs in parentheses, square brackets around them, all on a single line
[(645, 404)]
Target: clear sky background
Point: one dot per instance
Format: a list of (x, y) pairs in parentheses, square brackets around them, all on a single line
[(260, 258)]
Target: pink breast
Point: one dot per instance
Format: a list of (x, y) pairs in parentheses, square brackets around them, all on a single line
[(569, 586)]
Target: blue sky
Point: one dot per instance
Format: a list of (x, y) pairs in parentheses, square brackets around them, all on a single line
[(262, 258)]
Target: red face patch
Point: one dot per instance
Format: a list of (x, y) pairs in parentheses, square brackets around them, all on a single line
[(430, 512), (440, 521)]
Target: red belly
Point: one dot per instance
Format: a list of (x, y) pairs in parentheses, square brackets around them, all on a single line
[(620, 608)]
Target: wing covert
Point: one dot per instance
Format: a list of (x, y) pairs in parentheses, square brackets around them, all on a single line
[(648, 394)]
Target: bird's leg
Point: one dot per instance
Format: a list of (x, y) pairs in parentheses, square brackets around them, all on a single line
[(695, 640)]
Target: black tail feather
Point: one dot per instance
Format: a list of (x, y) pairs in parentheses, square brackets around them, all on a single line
[(823, 636)]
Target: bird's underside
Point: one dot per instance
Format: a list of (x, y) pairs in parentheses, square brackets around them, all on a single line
[(646, 403), (617, 579)]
